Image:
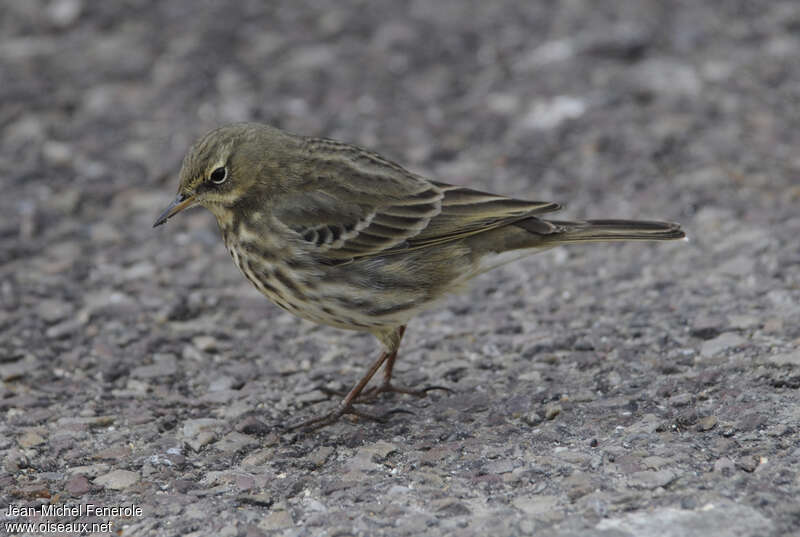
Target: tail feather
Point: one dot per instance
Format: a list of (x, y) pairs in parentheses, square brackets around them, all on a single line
[(614, 230)]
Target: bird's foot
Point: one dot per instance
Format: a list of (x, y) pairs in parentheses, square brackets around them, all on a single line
[(344, 410), (371, 395)]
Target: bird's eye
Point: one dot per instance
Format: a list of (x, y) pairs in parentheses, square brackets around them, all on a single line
[(218, 176)]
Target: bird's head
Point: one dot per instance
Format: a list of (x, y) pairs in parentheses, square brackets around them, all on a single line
[(228, 165)]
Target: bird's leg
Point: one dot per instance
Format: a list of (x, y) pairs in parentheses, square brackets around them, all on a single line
[(346, 405), (388, 367), (391, 340)]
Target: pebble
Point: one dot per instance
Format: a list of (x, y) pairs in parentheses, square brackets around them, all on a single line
[(77, 485), (234, 442), (652, 479), (276, 520), (542, 507), (551, 411), (53, 310), (164, 366), (707, 423), (722, 343), (200, 432), (64, 13), (724, 465), (205, 343), (18, 369), (672, 521), (63, 329), (30, 439), (117, 479), (789, 358)]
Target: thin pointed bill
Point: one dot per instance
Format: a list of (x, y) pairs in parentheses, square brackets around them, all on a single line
[(180, 203)]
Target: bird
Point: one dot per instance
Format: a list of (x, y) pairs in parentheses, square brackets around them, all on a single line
[(342, 236)]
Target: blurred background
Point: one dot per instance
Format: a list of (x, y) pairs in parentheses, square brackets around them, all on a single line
[(676, 110)]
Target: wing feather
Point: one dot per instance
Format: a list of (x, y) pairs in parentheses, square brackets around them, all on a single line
[(358, 204)]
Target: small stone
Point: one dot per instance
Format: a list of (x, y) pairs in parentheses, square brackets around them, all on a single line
[(546, 114), (724, 466), (748, 464), (234, 442), (63, 329), (774, 325), (18, 369), (744, 322), (533, 418), (707, 423), (258, 458), (500, 467), (205, 343), (104, 232), (542, 507), (751, 421), (15, 460), (52, 310), (276, 520), (649, 479), (164, 365), (261, 499), (682, 399), (57, 153), (789, 358), (738, 266), (30, 439), (200, 432), (551, 411), (92, 470), (254, 426), (449, 507), (221, 383), (707, 327), (77, 485), (117, 479), (63, 13), (722, 343), (723, 518), (379, 450), (320, 455)]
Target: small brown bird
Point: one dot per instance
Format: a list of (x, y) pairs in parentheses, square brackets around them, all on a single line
[(341, 236)]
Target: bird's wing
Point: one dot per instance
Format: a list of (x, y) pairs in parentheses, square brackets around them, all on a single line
[(358, 204), (468, 212), (355, 203)]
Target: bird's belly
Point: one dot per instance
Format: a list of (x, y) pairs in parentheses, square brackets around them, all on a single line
[(317, 294)]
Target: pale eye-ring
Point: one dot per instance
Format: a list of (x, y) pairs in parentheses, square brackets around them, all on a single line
[(218, 176)]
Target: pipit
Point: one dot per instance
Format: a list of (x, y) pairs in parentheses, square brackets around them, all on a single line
[(341, 236)]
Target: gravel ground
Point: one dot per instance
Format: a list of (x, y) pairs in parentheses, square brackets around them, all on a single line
[(623, 390)]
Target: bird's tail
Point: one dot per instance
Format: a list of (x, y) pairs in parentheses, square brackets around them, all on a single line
[(613, 230)]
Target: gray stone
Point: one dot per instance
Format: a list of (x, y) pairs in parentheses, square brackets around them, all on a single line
[(722, 343), (164, 365), (722, 518), (707, 423), (789, 358), (543, 508), (30, 439), (77, 485), (200, 432), (117, 479), (52, 310), (276, 520), (649, 479)]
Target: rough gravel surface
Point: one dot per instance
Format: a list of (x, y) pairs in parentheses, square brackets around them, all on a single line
[(622, 390)]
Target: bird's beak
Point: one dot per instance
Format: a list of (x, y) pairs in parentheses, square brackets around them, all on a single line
[(180, 203)]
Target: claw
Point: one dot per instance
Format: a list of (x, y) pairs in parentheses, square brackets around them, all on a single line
[(371, 395), (333, 417)]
